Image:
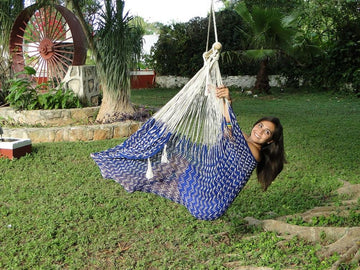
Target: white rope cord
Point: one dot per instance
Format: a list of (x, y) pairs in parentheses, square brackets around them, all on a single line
[(211, 14), (214, 20), (195, 112), (209, 25)]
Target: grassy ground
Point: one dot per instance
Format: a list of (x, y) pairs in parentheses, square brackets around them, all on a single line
[(57, 212)]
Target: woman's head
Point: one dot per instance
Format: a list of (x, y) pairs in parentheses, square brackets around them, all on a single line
[(267, 130), (269, 133)]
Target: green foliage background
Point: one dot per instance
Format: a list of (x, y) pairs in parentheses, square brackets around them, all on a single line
[(326, 47)]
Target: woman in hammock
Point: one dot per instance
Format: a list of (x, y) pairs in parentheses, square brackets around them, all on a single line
[(265, 142), (204, 179)]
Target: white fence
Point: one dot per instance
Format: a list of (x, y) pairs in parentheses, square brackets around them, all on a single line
[(235, 81)]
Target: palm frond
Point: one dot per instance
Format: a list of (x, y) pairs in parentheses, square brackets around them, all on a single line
[(244, 13), (118, 44), (259, 54), (290, 20), (5, 28)]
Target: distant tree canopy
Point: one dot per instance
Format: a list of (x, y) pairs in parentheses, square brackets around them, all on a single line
[(180, 46), (326, 47), (335, 26)]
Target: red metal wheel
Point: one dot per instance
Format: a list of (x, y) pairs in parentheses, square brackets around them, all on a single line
[(49, 39)]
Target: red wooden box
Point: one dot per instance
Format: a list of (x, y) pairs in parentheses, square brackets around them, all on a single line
[(142, 79), (14, 147)]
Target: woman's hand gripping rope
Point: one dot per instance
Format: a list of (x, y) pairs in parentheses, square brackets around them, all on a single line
[(223, 92)]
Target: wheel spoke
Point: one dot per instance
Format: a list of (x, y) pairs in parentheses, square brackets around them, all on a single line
[(64, 64), (26, 38), (66, 52), (22, 30), (28, 45), (62, 41), (46, 22), (50, 69), (26, 31), (31, 61), (62, 45), (35, 23), (44, 69), (61, 35), (35, 51), (56, 72), (40, 67), (55, 26), (43, 18), (63, 58)]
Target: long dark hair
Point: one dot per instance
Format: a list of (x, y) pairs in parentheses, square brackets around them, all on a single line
[(272, 155)]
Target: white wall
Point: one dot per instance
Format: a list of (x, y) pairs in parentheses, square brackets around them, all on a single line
[(235, 81)]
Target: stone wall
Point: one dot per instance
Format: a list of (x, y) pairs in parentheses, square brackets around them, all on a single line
[(244, 82), (59, 117), (84, 82), (74, 133), (63, 125)]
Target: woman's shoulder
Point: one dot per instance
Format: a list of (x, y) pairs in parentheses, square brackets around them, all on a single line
[(254, 150)]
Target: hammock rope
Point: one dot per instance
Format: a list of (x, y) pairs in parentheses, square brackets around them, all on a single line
[(185, 152), (211, 15)]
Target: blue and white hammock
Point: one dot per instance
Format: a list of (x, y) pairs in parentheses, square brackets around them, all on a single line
[(185, 152)]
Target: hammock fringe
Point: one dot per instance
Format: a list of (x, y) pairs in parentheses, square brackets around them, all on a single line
[(164, 158), (149, 172)]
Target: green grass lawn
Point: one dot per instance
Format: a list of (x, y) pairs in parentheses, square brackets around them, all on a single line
[(58, 212)]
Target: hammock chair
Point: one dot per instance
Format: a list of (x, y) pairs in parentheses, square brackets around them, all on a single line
[(186, 152)]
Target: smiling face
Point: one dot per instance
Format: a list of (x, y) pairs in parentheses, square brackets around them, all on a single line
[(262, 132)]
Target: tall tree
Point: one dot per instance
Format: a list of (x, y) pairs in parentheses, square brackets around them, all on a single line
[(285, 6), (8, 12), (116, 44), (9, 9), (335, 25), (269, 34)]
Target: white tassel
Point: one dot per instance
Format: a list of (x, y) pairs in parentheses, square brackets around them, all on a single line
[(164, 158), (149, 172)]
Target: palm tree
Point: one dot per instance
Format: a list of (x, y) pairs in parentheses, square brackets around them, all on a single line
[(116, 45), (269, 34), (9, 9)]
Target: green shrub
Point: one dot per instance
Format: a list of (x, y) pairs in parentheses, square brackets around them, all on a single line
[(24, 94), (59, 100)]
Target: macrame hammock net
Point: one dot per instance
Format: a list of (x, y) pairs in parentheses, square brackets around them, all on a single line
[(186, 152)]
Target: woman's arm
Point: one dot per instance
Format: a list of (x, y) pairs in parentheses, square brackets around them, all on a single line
[(223, 92)]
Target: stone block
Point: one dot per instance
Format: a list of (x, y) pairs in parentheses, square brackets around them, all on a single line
[(84, 82), (101, 134), (14, 147)]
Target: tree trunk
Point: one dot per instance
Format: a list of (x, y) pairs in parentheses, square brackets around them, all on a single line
[(115, 102), (262, 78), (112, 107)]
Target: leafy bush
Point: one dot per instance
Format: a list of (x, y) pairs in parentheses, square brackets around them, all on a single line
[(335, 28), (24, 94), (59, 100), (180, 46), (4, 77), (3, 94)]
